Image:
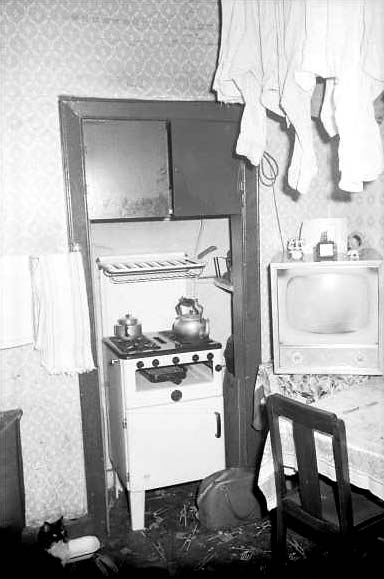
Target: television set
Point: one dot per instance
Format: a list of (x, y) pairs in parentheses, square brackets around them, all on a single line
[(327, 316)]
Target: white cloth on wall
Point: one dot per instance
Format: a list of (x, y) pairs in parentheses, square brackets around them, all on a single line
[(16, 322), (62, 322), (270, 55)]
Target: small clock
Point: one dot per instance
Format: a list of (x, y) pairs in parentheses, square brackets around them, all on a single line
[(326, 249)]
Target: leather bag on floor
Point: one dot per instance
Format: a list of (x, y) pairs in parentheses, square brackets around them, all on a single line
[(226, 499)]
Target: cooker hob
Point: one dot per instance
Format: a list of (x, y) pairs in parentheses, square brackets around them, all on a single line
[(159, 343)]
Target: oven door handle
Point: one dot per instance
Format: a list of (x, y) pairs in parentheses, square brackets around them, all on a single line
[(218, 425)]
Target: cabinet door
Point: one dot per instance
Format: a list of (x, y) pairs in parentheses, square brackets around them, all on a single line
[(175, 443), (204, 168), (126, 168)]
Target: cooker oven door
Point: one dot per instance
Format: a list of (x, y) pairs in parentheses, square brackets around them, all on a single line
[(175, 443)]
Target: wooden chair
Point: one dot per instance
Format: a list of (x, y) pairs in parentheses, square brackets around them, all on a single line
[(320, 508)]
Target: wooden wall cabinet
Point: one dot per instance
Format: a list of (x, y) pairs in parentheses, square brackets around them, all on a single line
[(153, 159)]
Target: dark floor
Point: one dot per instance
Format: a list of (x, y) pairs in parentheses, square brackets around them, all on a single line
[(174, 544)]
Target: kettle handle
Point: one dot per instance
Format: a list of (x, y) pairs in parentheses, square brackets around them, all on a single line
[(205, 333), (190, 303)]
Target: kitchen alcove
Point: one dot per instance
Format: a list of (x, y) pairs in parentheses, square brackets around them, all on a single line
[(198, 176)]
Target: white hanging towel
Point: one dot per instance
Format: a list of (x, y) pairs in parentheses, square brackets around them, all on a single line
[(61, 314), (16, 326)]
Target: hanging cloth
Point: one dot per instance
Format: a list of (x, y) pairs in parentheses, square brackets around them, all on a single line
[(345, 45), (62, 325), (270, 55)]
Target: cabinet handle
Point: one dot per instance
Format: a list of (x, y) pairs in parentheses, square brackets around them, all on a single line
[(218, 425)]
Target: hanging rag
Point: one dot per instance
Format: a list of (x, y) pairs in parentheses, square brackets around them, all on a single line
[(62, 325), (271, 53), (247, 70), (16, 326), (345, 45)]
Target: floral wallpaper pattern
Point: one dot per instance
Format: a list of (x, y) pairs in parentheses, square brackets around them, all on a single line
[(146, 49)]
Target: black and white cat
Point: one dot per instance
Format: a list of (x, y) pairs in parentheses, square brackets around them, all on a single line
[(79, 554), (23, 559), (50, 533), (49, 556)]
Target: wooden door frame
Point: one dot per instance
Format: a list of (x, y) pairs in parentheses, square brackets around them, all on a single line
[(96, 520), (246, 319), (245, 306)]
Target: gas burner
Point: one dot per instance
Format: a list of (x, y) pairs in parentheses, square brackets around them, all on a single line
[(138, 344), (180, 342)]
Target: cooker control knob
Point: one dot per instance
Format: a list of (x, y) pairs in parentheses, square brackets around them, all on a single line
[(175, 360), (176, 395), (218, 367), (195, 357), (140, 364), (155, 362), (210, 356)]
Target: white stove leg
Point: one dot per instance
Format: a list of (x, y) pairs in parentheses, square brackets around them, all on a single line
[(137, 509)]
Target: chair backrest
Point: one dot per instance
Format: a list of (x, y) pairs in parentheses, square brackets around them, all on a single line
[(305, 421)]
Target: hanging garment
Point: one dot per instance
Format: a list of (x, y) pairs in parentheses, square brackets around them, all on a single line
[(270, 56), (295, 98), (247, 70), (62, 314), (345, 44)]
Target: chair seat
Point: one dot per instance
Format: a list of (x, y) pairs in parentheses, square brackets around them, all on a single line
[(365, 507)]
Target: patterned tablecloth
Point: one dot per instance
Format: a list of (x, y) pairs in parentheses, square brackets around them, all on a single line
[(307, 388), (362, 409)]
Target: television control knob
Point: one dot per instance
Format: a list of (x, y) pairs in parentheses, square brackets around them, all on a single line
[(140, 364), (195, 357), (176, 395), (155, 362), (297, 358), (210, 356), (218, 367), (175, 360)]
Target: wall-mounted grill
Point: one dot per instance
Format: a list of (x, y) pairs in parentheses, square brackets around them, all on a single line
[(145, 267)]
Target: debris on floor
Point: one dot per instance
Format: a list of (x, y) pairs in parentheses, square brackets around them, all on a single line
[(175, 544)]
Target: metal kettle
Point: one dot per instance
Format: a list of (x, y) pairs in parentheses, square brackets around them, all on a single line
[(189, 324)]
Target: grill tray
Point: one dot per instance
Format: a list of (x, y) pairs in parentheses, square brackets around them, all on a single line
[(145, 267)]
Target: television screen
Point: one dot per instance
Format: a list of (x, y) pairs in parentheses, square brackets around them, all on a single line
[(331, 303), (330, 306)]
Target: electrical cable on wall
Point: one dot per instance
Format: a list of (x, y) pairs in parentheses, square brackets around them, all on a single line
[(267, 175)]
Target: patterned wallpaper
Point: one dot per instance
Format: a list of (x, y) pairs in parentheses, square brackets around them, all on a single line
[(162, 49), (97, 48)]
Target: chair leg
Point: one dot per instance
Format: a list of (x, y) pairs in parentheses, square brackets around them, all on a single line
[(278, 539)]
